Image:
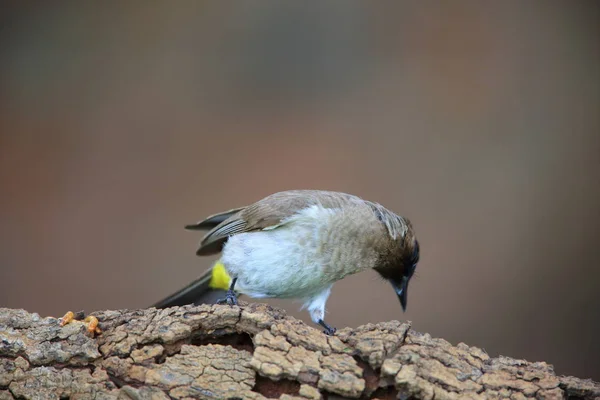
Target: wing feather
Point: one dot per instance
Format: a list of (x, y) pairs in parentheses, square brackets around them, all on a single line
[(268, 213), (213, 220)]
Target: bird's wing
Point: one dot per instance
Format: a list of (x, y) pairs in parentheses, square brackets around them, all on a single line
[(268, 213), (213, 220)]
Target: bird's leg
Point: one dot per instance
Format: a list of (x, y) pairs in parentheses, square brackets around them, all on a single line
[(316, 308), (329, 330), (230, 298)]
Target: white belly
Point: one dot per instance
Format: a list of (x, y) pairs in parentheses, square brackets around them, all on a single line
[(276, 263)]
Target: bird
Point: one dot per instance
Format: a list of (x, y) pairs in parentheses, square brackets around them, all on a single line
[(296, 244)]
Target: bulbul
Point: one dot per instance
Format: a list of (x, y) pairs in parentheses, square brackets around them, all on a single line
[(296, 244)]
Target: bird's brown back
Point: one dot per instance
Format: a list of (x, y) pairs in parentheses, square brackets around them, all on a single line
[(273, 209)]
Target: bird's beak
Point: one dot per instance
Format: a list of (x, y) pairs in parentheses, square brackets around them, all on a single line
[(401, 289)]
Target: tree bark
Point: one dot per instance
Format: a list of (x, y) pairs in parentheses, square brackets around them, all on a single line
[(254, 352)]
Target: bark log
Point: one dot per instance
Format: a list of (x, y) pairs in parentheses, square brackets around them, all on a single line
[(254, 352)]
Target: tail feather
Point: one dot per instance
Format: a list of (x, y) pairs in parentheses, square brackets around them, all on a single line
[(209, 287)]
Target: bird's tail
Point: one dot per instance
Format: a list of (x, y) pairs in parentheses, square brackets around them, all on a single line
[(208, 288)]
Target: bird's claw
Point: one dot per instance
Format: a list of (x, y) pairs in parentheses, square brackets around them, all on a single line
[(230, 298), (329, 330)]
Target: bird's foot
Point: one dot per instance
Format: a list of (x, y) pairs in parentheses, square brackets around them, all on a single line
[(90, 322), (329, 330), (230, 298)]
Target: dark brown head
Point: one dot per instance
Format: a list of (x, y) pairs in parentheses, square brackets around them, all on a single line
[(400, 267)]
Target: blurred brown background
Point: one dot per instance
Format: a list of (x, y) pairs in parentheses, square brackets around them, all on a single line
[(479, 121)]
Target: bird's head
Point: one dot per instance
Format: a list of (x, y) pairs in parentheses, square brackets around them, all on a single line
[(400, 266)]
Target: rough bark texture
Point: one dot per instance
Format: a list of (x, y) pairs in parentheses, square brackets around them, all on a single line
[(254, 352)]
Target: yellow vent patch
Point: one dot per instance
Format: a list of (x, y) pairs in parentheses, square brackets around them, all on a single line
[(220, 278)]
